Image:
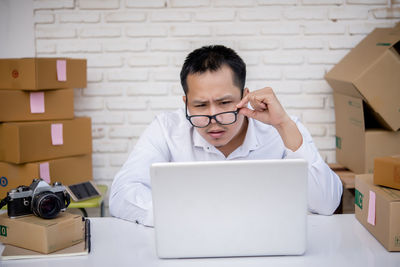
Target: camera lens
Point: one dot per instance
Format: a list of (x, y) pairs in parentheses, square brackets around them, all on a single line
[(46, 205)]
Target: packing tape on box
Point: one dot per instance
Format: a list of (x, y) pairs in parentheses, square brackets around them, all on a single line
[(37, 102), (62, 70), (44, 172), (57, 134), (371, 208)]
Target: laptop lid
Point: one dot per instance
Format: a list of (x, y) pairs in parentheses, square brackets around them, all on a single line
[(230, 208)]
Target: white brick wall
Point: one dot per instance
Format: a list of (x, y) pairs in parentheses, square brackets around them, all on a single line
[(135, 49)]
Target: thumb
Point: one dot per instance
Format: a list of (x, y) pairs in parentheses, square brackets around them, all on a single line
[(248, 112), (254, 114)]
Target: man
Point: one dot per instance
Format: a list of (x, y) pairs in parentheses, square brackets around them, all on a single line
[(218, 124)]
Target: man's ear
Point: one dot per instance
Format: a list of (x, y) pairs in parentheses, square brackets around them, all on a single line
[(246, 91), (184, 99)]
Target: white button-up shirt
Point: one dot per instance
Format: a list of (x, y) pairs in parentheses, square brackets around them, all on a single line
[(170, 137)]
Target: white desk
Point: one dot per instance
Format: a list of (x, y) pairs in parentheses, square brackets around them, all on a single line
[(338, 240)]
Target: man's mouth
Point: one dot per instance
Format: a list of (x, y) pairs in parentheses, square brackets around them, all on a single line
[(216, 133)]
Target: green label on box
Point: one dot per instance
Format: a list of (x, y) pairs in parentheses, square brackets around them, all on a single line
[(397, 241), (358, 199), (354, 104), (383, 44), (3, 230), (338, 142)]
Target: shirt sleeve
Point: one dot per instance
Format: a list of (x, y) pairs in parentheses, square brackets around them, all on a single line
[(324, 186), (130, 196)]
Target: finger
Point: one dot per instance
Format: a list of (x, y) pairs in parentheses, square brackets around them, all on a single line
[(257, 103), (257, 115), (259, 106), (243, 102), (247, 112)]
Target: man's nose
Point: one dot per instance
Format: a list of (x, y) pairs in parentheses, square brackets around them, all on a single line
[(213, 120), (213, 111)]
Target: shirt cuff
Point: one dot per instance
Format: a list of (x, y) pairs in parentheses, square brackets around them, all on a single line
[(149, 220)]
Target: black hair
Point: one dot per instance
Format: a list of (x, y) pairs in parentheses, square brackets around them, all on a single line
[(212, 58)]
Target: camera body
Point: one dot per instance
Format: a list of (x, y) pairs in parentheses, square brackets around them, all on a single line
[(39, 198)]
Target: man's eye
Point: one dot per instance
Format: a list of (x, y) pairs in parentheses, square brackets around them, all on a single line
[(226, 102), (199, 105)]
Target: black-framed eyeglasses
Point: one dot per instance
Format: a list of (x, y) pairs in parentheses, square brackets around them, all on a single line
[(223, 118)]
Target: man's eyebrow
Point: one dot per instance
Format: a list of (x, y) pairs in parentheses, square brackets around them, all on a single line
[(222, 98), (199, 101), (225, 97)]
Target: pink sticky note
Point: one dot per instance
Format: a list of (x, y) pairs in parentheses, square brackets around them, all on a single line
[(37, 102), (62, 70), (371, 208), (57, 134), (45, 172)]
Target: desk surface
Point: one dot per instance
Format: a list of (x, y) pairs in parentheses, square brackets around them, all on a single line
[(338, 240)]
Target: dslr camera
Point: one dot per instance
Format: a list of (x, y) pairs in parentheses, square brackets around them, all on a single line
[(39, 198)]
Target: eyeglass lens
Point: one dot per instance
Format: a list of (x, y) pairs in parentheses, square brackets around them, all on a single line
[(223, 118)]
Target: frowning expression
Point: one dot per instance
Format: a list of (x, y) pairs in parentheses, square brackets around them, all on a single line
[(211, 93)]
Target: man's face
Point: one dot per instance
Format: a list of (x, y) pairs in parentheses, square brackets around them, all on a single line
[(210, 93)]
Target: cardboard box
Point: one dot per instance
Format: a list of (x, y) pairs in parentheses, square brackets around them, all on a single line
[(371, 72), (348, 201), (41, 235), (42, 73), (22, 142), (18, 105), (358, 137), (69, 170), (387, 171), (382, 219)]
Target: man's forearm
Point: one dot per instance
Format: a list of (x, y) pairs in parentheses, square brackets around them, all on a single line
[(290, 134)]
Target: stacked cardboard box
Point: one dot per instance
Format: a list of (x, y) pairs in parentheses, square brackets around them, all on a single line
[(387, 171), (377, 201), (41, 235), (39, 135), (366, 85), (378, 209), (367, 107)]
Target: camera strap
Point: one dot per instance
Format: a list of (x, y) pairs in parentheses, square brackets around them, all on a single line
[(67, 198), (4, 201)]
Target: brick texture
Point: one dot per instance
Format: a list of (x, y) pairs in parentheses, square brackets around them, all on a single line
[(135, 49)]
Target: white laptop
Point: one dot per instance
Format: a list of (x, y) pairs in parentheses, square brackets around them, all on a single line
[(230, 208)]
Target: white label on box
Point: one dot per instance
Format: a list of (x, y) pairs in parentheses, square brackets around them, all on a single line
[(44, 172), (37, 102), (371, 208), (57, 134)]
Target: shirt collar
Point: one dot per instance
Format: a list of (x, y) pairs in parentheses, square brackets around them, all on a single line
[(251, 141), (198, 140)]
